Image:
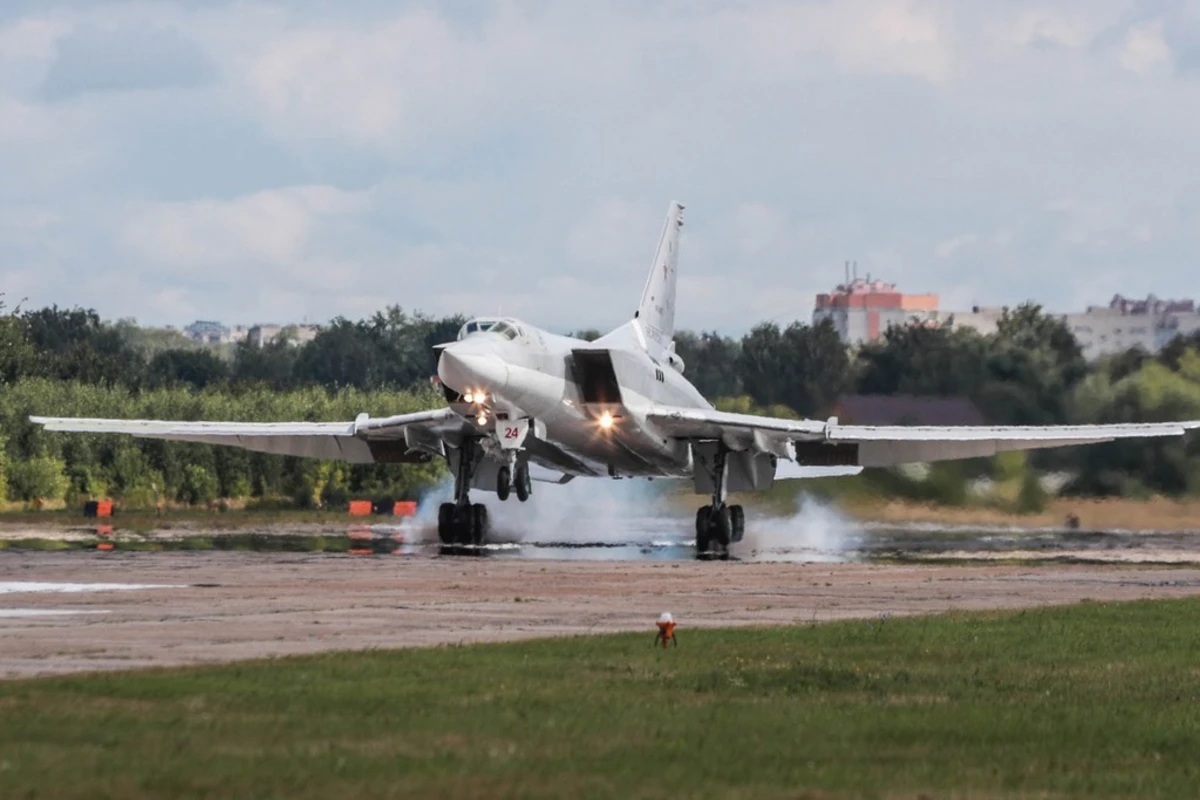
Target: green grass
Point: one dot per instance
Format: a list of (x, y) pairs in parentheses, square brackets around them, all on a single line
[(1087, 701)]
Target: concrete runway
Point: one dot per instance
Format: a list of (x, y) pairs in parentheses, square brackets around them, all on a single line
[(206, 607)]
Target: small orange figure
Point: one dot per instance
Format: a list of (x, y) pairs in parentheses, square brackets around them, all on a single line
[(666, 630)]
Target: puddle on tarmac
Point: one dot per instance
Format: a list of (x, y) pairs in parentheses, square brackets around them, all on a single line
[(669, 540)]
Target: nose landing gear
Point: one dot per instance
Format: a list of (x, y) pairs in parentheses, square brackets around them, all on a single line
[(515, 477)]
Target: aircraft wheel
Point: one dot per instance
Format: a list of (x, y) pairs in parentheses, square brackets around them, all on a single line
[(737, 523), (503, 483), (524, 485), (702, 525), (721, 526), (479, 523), (464, 522), (446, 523)]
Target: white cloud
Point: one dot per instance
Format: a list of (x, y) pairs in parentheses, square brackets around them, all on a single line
[(268, 228), (31, 39), (880, 37), (950, 246), (1145, 51)]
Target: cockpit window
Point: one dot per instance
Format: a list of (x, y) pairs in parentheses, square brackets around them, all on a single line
[(484, 325), (507, 330)]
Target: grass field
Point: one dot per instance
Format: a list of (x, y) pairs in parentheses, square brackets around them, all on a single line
[(1094, 700)]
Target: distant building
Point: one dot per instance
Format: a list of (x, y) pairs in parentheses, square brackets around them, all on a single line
[(862, 310), (905, 409), (1124, 324), (213, 332), (1103, 330), (206, 331), (260, 335)]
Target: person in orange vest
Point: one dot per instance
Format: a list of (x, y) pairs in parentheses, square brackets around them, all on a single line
[(666, 630)]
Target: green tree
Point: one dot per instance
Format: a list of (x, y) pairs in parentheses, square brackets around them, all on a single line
[(75, 345), (195, 368), (199, 485), (711, 362), (270, 364), (803, 367), (1153, 394), (923, 361), (39, 478)]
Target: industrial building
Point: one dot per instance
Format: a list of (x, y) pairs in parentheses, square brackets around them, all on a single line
[(861, 310)]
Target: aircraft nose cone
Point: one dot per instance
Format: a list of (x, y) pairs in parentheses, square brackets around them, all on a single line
[(472, 372)]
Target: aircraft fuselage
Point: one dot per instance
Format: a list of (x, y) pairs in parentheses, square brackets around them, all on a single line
[(587, 398)]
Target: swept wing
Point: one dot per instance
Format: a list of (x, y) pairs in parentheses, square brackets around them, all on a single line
[(413, 437), (830, 443)]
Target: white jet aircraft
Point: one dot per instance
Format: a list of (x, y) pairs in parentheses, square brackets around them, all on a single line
[(524, 404)]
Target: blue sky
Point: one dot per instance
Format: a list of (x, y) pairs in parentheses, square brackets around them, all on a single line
[(252, 161)]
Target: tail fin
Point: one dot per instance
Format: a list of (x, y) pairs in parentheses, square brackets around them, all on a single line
[(656, 312)]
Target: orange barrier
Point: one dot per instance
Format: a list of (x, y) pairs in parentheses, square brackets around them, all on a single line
[(404, 508), (98, 508), (105, 546), (360, 508)]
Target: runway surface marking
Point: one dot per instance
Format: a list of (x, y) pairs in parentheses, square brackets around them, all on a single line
[(19, 587)]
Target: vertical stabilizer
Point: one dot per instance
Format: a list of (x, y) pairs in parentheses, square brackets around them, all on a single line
[(655, 316)]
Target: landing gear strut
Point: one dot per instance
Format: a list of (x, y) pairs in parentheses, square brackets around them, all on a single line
[(718, 524), (462, 522)]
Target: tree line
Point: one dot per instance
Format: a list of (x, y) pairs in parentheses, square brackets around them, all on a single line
[(68, 362)]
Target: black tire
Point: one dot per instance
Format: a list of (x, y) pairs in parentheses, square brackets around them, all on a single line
[(479, 523), (464, 522), (721, 526), (446, 523), (737, 523), (503, 483), (523, 483), (702, 529)]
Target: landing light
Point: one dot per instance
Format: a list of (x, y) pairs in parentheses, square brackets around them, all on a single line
[(481, 419), (469, 397), (606, 420)]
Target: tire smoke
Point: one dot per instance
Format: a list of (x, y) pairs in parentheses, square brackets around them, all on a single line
[(605, 513)]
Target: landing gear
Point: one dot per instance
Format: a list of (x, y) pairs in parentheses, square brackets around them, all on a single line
[(460, 522), (503, 483), (718, 524), (459, 525), (524, 485), (516, 477)]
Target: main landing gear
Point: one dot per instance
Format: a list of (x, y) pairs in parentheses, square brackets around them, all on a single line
[(718, 524), (461, 522)]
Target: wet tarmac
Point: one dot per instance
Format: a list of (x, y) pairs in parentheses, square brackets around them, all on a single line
[(831, 540)]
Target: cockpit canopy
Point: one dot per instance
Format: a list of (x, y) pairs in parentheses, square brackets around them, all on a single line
[(507, 328)]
